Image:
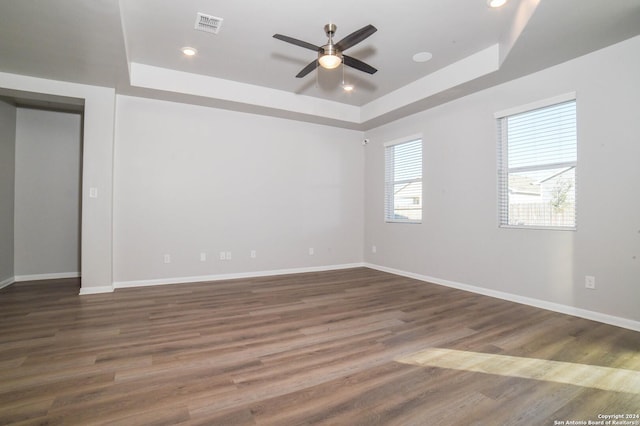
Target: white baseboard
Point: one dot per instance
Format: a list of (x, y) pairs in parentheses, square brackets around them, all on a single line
[(232, 276), (7, 282), (54, 276), (550, 306), (96, 290)]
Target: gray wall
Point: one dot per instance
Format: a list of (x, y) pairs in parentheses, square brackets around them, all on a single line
[(7, 185), (189, 179), (47, 194), (459, 239)]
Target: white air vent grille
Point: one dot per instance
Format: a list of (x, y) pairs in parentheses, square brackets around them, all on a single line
[(208, 23)]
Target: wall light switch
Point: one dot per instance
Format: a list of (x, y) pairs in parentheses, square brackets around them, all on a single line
[(228, 255), (311, 251), (167, 258), (374, 249), (590, 282), (223, 255), (203, 257), (254, 254), (93, 192)]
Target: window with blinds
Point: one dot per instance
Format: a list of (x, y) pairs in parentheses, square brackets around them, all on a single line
[(537, 159), (403, 182)]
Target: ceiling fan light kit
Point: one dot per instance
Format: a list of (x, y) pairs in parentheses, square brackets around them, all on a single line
[(330, 55), (330, 60)]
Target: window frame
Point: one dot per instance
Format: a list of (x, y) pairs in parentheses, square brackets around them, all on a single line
[(389, 195), (503, 169)]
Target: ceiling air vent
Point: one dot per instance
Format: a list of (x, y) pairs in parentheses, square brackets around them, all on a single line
[(208, 23)]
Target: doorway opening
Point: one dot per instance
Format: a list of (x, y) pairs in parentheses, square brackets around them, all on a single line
[(46, 178)]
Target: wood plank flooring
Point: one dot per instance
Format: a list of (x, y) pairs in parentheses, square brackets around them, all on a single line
[(351, 347)]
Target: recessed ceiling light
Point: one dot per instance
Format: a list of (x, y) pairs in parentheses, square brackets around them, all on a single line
[(422, 57), (496, 3), (189, 51)]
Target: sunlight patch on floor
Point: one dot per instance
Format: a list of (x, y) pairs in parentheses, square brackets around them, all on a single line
[(591, 376)]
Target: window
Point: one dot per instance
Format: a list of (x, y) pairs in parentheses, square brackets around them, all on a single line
[(403, 182), (537, 159)]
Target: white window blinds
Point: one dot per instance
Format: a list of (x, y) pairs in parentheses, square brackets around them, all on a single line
[(537, 160), (403, 182)]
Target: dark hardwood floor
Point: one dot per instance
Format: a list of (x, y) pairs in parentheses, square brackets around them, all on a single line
[(351, 347)]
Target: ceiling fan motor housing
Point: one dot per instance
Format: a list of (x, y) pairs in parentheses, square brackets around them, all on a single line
[(330, 49)]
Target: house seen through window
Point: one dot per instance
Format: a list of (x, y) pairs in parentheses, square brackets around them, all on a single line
[(537, 160), (403, 182)]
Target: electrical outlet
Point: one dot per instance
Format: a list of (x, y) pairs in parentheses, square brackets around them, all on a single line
[(590, 282), (167, 258)]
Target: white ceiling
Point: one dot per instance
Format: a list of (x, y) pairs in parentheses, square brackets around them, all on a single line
[(134, 46)]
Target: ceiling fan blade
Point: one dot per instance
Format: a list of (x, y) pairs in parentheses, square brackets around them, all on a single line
[(355, 37), (358, 64), (306, 70), (297, 42)]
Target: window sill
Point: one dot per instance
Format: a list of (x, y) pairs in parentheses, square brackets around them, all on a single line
[(414, 222), (540, 228)]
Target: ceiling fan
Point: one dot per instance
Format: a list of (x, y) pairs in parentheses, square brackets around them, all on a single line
[(330, 55)]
